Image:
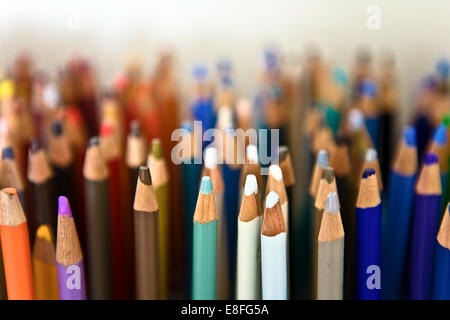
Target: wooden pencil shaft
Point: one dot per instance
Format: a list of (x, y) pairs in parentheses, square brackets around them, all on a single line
[(98, 239)]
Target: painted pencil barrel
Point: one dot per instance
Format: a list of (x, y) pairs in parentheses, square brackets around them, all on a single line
[(98, 237), (368, 248), (396, 233), (204, 261), (231, 206), (71, 281), (373, 127), (249, 261), (273, 267), (442, 273), (329, 287), (424, 230)]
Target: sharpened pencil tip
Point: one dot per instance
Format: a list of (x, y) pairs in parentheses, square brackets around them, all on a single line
[(44, 232), (94, 141), (7, 153), (206, 185), (332, 204), (56, 128), (275, 171), (440, 135), (252, 153), (371, 155), (272, 199), (431, 158), (64, 207), (135, 128), (322, 158), (157, 148), (211, 157), (368, 172), (35, 146), (251, 185), (144, 175), (410, 136)]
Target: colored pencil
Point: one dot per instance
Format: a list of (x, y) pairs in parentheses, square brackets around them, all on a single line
[(95, 175), (191, 171), (231, 171), (327, 184), (60, 157), (160, 182), (69, 257), (248, 275), (40, 177), (398, 217), (330, 264), (44, 265), (146, 238), (368, 238), (340, 162), (438, 146), (205, 244), (441, 289), (111, 152), (388, 98), (425, 223), (15, 247), (273, 251), (213, 170)]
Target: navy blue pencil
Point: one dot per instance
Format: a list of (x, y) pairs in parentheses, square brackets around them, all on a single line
[(398, 217), (438, 146), (442, 262), (424, 229), (368, 238)]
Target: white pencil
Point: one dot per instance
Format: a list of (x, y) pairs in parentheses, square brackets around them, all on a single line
[(330, 252), (273, 251), (248, 283)]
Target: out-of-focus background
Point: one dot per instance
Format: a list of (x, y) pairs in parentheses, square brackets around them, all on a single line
[(107, 32)]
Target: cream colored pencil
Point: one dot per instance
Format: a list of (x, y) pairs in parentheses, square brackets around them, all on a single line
[(248, 283)]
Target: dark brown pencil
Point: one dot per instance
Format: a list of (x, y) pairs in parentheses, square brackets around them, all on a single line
[(61, 159), (95, 175), (41, 179), (146, 237)]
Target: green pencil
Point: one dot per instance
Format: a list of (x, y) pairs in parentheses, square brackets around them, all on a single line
[(205, 244)]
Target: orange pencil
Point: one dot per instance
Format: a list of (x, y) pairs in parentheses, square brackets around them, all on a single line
[(15, 247)]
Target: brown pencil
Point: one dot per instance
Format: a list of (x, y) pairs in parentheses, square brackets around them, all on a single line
[(146, 237), (40, 176), (95, 175)]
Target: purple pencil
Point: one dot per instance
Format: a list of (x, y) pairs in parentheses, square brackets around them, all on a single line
[(69, 258)]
